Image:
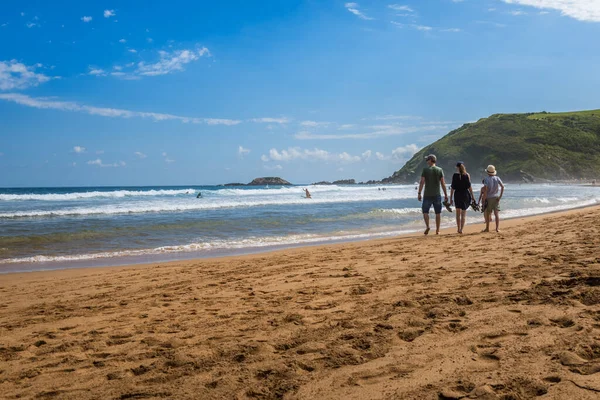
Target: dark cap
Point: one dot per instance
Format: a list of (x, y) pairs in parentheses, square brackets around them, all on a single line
[(459, 163), (431, 158)]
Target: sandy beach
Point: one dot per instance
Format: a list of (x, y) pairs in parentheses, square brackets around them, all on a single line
[(514, 315)]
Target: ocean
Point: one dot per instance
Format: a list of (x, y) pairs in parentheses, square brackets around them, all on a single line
[(55, 228)]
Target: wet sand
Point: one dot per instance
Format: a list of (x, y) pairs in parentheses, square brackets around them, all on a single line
[(514, 315)]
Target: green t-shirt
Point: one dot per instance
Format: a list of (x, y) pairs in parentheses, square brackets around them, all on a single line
[(432, 176)]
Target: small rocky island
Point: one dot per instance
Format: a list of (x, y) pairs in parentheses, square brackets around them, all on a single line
[(270, 180), (340, 182)]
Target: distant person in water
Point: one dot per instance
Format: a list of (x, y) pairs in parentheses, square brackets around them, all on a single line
[(461, 195), (492, 194), (199, 195), (308, 196), (432, 178)]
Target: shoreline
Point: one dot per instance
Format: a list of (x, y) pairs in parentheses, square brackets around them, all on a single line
[(147, 260), (509, 315), (449, 231)]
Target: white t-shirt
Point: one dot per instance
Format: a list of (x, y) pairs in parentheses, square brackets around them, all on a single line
[(492, 183)]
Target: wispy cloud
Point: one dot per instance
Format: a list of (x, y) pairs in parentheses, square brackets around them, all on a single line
[(495, 24), (122, 41), (140, 155), (46, 103), (167, 159), (79, 149), (399, 7), (16, 75), (96, 71), (384, 131), (583, 10), (242, 151), (353, 8), (109, 13), (269, 120), (296, 153), (99, 163), (314, 124), (425, 28), (277, 167), (86, 19), (171, 62)]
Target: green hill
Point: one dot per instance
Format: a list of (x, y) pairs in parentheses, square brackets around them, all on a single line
[(523, 147)]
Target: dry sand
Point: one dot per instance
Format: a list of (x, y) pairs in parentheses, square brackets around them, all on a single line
[(514, 315)]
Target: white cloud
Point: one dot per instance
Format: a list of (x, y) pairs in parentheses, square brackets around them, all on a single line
[(149, 40), (122, 41), (45, 103), (296, 153), (99, 163), (15, 75), (268, 120), (140, 155), (167, 159), (273, 167), (366, 155), (390, 117), (96, 71), (398, 7), (391, 130), (243, 151), (583, 10), (400, 154), (86, 19), (346, 126), (495, 24), (171, 62), (79, 149), (314, 124), (109, 13), (132, 50), (31, 25), (517, 12), (353, 8), (380, 156)]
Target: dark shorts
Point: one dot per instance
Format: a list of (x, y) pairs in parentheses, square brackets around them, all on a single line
[(435, 201)]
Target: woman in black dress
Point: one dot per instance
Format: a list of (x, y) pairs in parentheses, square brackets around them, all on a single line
[(461, 194)]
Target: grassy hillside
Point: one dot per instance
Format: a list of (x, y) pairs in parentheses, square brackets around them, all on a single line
[(523, 147)]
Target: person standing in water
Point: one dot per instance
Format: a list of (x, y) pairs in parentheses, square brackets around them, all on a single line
[(432, 178), (461, 195), (308, 196)]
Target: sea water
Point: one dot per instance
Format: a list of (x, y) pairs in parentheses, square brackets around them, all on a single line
[(51, 228)]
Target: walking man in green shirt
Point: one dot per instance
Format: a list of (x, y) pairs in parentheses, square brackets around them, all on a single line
[(432, 178)]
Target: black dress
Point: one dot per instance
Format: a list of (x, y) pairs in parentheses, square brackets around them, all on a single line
[(462, 196)]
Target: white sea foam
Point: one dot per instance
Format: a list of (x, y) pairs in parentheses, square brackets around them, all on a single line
[(189, 203), (199, 247), (117, 194)]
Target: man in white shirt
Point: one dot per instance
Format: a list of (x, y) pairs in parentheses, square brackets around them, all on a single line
[(492, 184)]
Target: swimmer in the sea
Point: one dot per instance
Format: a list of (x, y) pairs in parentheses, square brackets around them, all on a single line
[(199, 195)]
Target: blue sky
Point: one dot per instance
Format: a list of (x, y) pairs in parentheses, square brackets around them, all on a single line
[(195, 92)]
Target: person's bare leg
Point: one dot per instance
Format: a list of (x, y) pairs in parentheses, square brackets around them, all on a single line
[(488, 217), (497, 215), (438, 221), (458, 226), (463, 220), (426, 218)]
